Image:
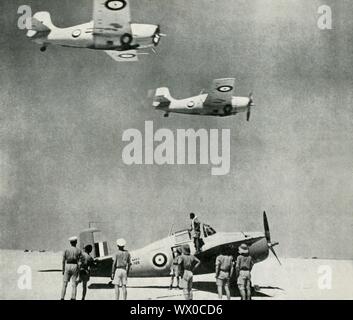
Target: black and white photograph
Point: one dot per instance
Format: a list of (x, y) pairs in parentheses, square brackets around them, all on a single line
[(155, 150)]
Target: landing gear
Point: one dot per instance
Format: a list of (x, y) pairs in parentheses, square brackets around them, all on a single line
[(166, 115), (43, 49)]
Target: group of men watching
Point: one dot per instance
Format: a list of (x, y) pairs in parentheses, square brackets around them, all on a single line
[(77, 266), (184, 264)]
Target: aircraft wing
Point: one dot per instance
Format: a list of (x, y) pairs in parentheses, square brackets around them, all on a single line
[(111, 18), (221, 93), (123, 56)]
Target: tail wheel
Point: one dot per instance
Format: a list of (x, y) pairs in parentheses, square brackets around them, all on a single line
[(228, 109)]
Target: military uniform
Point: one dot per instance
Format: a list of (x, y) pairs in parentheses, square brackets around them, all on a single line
[(224, 265), (244, 266), (187, 264), (121, 262), (71, 261)]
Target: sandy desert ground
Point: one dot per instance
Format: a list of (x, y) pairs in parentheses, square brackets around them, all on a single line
[(295, 279)]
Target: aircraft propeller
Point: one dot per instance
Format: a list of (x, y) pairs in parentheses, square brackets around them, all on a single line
[(268, 238), (157, 36), (250, 104)]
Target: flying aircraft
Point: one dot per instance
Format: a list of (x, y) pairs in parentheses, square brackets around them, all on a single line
[(111, 31), (218, 102), (155, 259)]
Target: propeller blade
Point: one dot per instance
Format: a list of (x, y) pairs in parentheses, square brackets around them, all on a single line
[(274, 253), (267, 228), (248, 115)]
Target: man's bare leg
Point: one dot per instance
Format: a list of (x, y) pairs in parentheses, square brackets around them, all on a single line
[(84, 290), (124, 293), (220, 292), (74, 289), (226, 289), (63, 291), (117, 292)]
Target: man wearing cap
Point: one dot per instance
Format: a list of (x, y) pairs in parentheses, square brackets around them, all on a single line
[(243, 267), (188, 263), (87, 262), (175, 269), (121, 269), (70, 263), (224, 272), (196, 232)]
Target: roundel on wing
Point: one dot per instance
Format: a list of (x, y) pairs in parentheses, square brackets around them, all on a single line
[(115, 5), (127, 55), (225, 88), (160, 260)]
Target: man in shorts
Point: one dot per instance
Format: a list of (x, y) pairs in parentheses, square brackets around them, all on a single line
[(243, 267), (224, 271), (70, 268), (188, 263), (175, 269), (121, 269), (87, 262)]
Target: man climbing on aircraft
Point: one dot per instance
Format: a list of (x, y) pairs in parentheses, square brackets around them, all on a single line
[(196, 232)]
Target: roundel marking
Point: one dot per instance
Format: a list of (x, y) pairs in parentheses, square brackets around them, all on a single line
[(127, 55), (160, 260), (225, 88), (76, 33), (115, 5)]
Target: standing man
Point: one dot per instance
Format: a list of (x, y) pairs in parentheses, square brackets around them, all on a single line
[(224, 271), (196, 232), (188, 263), (121, 269), (175, 269), (85, 269), (70, 266), (244, 266)]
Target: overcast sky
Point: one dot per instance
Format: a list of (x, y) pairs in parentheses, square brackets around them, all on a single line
[(63, 113)]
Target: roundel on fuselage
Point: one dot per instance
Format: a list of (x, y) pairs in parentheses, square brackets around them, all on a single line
[(115, 5), (225, 88), (160, 260)]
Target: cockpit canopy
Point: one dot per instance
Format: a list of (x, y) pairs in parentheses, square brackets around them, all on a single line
[(185, 235)]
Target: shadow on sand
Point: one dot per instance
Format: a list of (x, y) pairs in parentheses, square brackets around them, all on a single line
[(206, 286), (211, 287)]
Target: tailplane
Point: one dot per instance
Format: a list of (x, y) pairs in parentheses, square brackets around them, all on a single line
[(162, 98), (99, 249), (40, 23)]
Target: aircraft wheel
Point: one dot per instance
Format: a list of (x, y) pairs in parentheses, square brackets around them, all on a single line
[(43, 49), (126, 39)]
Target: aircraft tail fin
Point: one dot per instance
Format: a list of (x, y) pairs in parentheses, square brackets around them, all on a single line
[(40, 23), (99, 249), (162, 97)]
